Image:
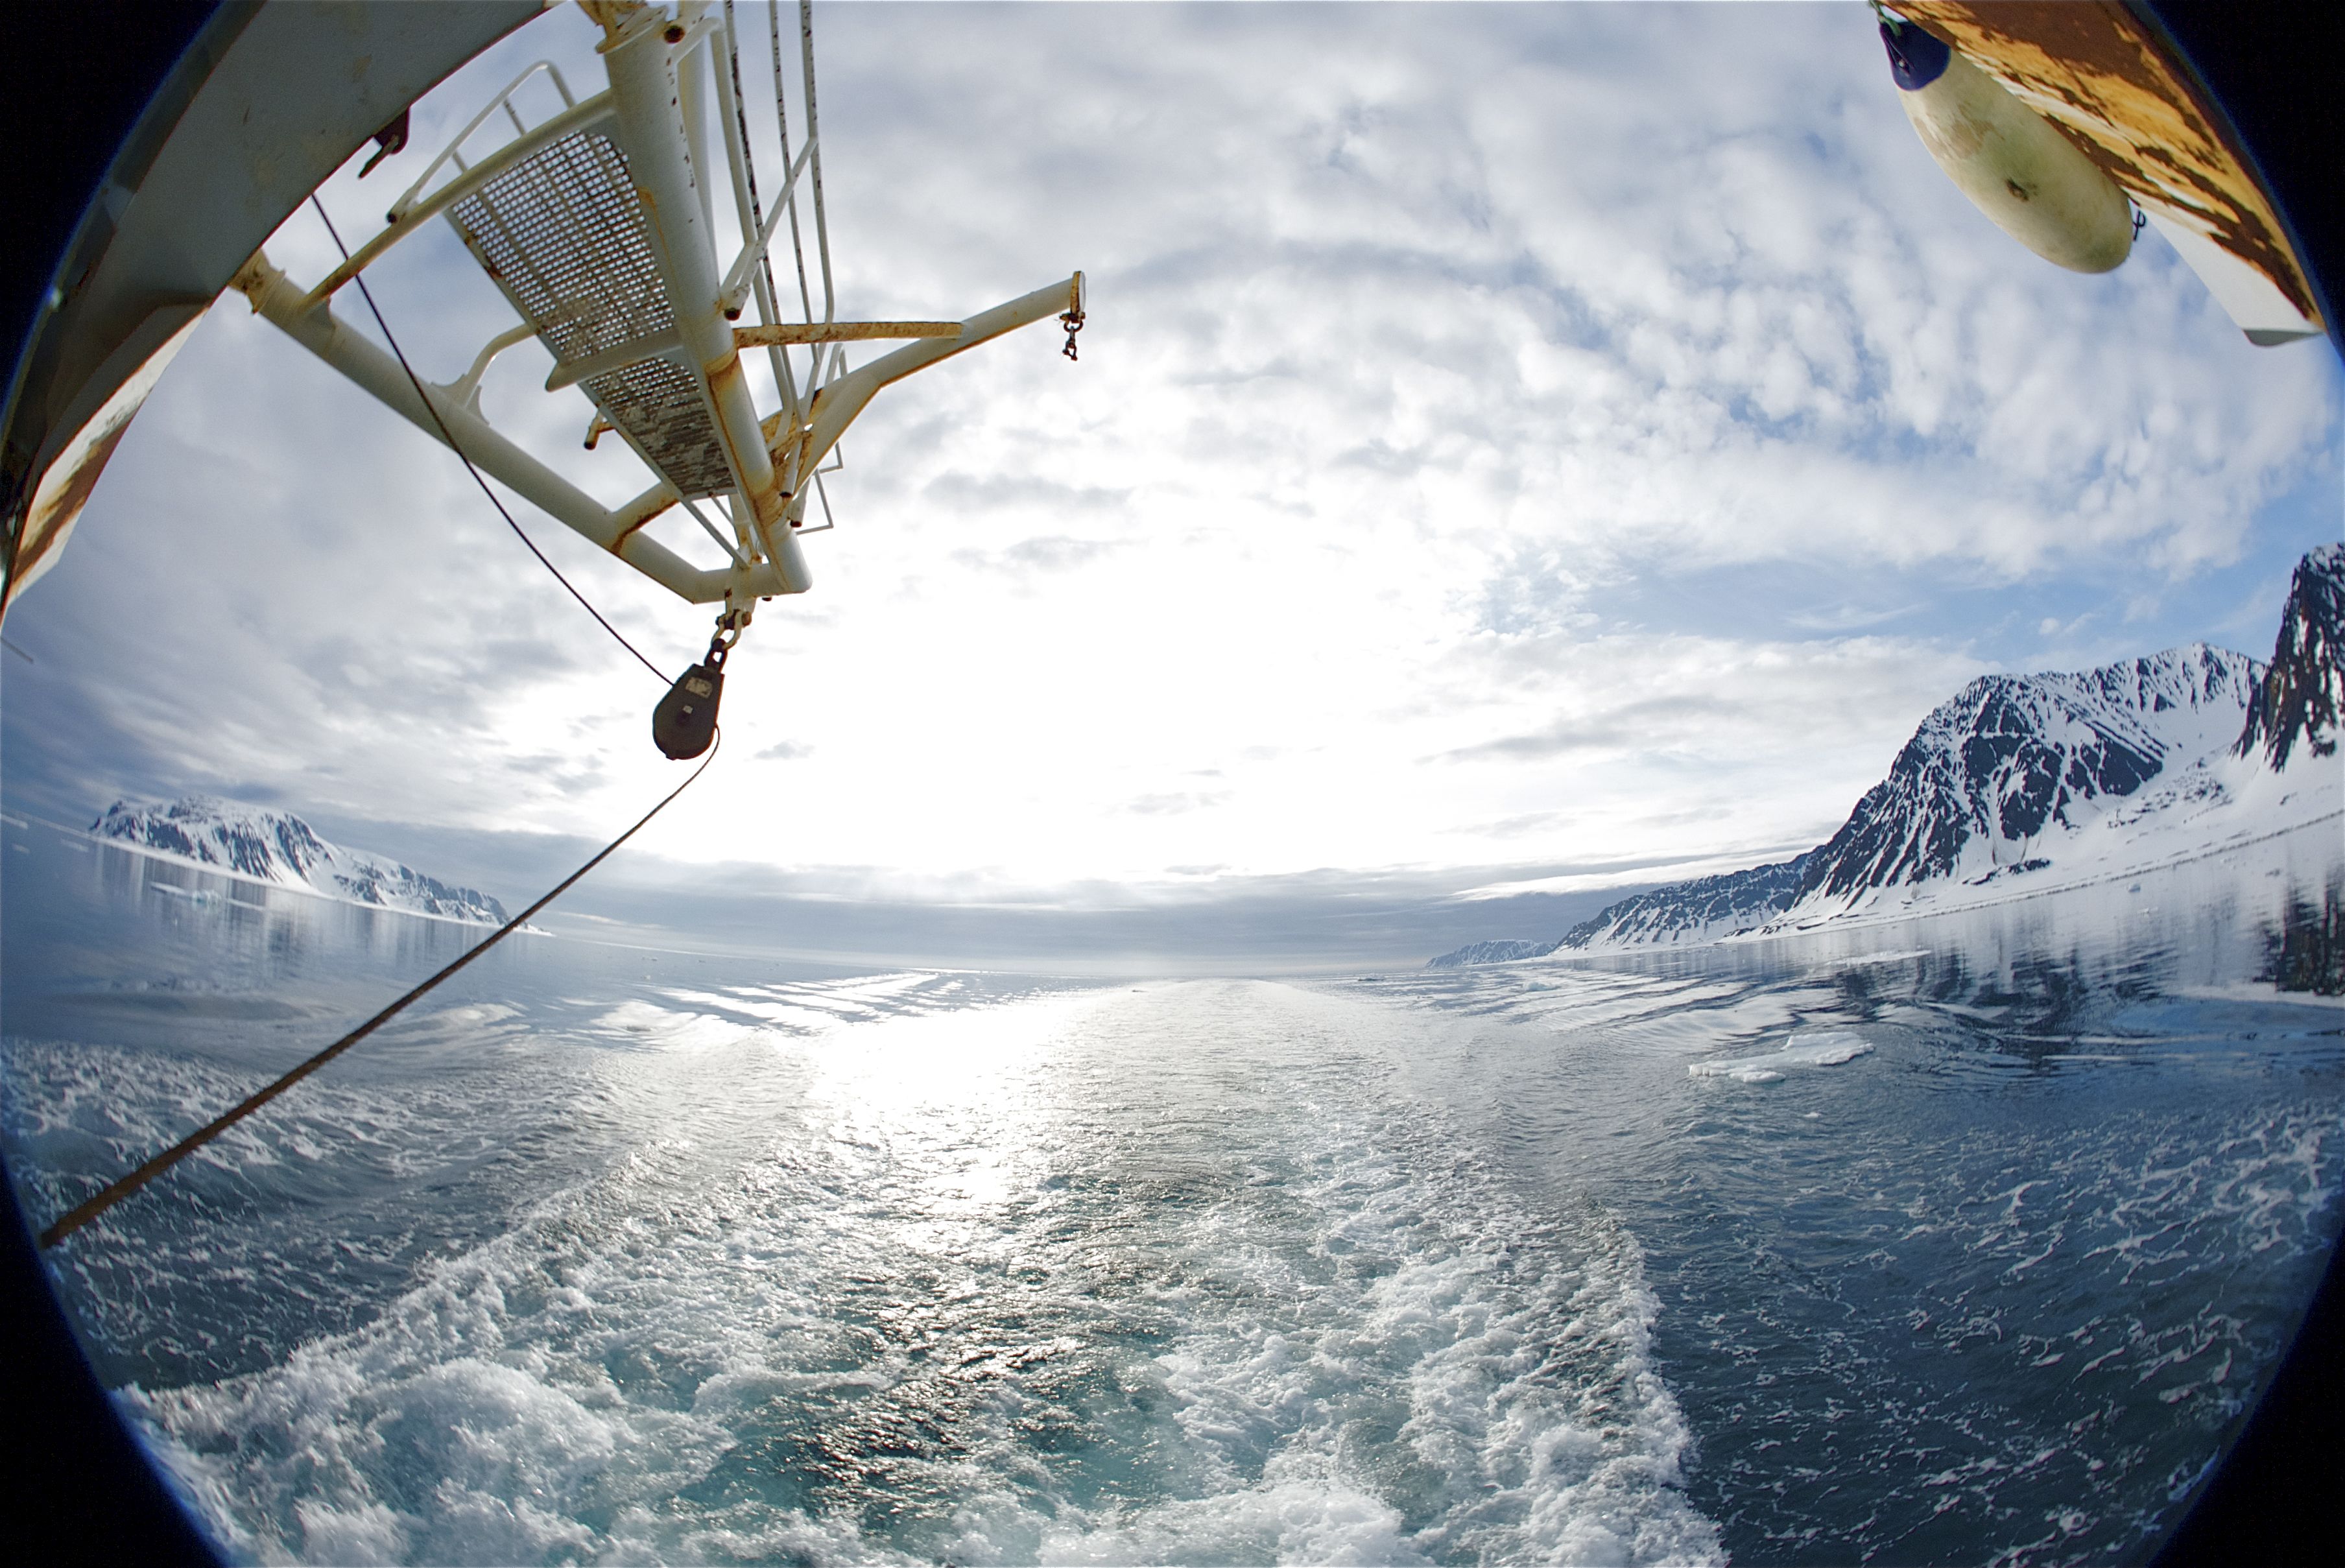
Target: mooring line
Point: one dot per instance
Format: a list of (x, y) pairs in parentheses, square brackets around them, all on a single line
[(122, 1186)]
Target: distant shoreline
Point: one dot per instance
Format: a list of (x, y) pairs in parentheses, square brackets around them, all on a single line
[(1877, 918), (1868, 918)]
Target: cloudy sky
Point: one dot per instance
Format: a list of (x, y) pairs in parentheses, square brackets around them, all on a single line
[(1516, 448)]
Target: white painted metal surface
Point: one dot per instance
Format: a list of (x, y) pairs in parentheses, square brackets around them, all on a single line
[(2252, 301), (645, 68)]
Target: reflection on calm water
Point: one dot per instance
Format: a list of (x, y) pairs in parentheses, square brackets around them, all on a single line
[(2005, 1283), (2308, 951), (91, 926), (614, 1253)]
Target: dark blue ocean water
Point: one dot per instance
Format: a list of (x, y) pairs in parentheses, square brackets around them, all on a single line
[(607, 1255)]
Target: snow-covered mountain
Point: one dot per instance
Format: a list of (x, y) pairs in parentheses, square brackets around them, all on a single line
[(1995, 778), (2050, 779), (280, 848)]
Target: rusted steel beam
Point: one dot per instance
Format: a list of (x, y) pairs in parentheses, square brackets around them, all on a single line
[(840, 332), (835, 406)]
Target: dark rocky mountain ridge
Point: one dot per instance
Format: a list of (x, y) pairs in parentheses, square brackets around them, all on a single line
[(2011, 755), (2303, 693)]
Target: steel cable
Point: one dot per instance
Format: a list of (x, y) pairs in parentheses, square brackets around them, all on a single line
[(122, 1187)]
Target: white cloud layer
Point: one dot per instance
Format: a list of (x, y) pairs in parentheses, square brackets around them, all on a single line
[(1504, 435)]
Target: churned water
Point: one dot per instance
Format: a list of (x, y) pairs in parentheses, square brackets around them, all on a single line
[(1938, 1243)]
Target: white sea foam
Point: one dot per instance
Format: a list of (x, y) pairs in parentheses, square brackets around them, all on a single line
[(1299, 1520), (648, 1024), (1814, 1049), (1356, 1346)]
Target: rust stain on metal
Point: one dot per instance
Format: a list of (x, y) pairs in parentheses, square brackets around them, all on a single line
[(54, 511), (2095, 72), (723, 370), (79, 481), (724, 373), (628, 529), (840, 332)]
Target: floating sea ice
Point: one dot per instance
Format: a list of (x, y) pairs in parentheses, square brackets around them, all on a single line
[(1822, 1049)]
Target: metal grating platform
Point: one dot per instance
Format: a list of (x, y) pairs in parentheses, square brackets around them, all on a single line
[(662, 409), (562, 236)]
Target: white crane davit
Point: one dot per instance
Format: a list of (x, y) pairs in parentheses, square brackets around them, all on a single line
[(597, 223)]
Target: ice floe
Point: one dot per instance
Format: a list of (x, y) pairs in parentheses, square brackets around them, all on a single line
[(1814, 1049)]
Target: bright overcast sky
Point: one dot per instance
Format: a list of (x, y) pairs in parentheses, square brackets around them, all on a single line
[(1509, 440)]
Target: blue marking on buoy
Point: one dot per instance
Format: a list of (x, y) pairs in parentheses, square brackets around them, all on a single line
[(1916, 58)]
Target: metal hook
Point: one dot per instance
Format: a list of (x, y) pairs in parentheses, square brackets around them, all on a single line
[(729, 627)]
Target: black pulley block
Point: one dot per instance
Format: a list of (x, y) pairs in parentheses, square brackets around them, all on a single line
[(685, 723)]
